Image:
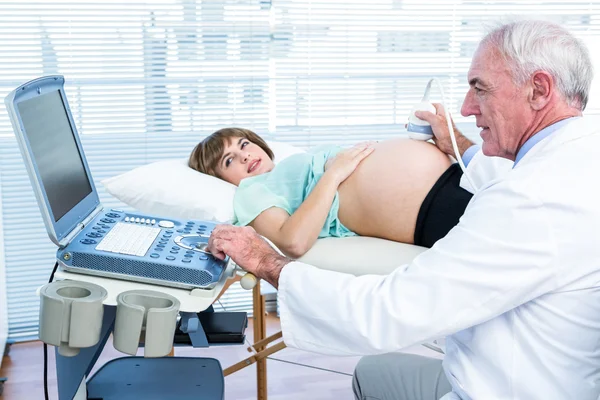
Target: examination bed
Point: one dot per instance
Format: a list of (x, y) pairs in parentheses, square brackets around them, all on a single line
[(357, 255)]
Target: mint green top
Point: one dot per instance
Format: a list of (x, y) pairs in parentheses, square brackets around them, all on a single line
[(286, 187)]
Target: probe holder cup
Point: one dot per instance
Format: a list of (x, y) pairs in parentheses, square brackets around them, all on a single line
[(71, 315), (148, 316)]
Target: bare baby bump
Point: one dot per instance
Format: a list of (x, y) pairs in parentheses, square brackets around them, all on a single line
[(383, 196)]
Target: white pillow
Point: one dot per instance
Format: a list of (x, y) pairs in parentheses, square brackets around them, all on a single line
[(183, 192)]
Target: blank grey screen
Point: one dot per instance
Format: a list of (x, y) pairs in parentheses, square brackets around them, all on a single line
[(55, 152)]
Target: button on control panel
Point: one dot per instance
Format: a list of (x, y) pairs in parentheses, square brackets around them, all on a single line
[(166, 224)]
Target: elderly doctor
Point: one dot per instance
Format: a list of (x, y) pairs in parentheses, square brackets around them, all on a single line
[(515, 286)]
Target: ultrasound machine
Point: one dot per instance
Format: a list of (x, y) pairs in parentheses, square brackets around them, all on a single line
[(142, 277)]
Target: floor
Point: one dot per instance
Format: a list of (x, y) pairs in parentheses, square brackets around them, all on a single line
[(292, 374)]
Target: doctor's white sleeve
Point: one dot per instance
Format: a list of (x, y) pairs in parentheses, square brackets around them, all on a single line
[(499, 256), (483, 169)]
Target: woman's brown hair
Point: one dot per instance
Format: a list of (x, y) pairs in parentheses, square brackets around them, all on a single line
[(207, 154)]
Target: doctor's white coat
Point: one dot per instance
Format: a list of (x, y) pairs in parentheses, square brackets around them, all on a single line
[(515, 286)]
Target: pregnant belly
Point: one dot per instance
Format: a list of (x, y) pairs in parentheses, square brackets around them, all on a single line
[(383, 196)]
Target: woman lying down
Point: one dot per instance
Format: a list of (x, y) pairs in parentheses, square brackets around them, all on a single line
[(402, 190)]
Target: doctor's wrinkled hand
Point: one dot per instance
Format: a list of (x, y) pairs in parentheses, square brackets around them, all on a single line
[(441, 136), (248, 250)]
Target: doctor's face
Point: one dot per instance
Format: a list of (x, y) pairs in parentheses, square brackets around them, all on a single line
[(500, 107), (242, 159)]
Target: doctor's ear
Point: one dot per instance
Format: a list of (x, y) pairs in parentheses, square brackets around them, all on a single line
[(542, 89)]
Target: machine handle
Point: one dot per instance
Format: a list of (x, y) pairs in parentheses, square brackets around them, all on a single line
[(248, 281)]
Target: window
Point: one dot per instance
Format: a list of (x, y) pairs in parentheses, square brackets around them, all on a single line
[(146, 80)]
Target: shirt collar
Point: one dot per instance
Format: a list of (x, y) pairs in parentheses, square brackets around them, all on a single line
[(538, 137)]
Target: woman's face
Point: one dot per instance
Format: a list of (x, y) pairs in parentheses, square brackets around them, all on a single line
[(241, 159)]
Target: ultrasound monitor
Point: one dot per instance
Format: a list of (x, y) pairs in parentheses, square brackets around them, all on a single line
[(60, 166), (55, 160)]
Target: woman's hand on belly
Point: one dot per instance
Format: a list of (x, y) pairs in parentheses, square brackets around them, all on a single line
[(383, 196), (345, 162)]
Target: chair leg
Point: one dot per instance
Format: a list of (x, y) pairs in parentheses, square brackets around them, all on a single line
[(260, 332), (258, 357), (260, 349)]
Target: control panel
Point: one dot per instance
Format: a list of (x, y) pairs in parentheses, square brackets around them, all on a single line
[(144, 248)]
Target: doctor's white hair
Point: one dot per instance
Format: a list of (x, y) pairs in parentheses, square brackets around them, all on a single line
[(529, 46)]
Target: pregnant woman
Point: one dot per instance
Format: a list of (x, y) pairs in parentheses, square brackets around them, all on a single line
[(400, 189)]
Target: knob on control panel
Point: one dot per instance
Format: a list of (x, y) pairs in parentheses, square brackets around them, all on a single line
[(166, 224)]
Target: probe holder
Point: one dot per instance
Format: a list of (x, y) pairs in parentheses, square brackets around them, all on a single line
[(148, 316), (71, 315)]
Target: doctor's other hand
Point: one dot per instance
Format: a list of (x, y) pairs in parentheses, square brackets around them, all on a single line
[(440, 131), (343, 164), (248, 250)]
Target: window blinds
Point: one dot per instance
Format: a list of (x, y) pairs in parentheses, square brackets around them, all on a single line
[(146, 80)]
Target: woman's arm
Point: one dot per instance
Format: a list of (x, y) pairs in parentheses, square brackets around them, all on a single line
[(295, 234)]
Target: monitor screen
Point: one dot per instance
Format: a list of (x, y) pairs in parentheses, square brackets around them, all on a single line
[(55, 151)]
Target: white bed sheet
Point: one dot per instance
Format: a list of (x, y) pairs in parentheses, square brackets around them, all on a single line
[(360, 255)]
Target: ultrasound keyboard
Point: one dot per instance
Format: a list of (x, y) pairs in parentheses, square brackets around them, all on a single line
[(127, 238), (135, 247)]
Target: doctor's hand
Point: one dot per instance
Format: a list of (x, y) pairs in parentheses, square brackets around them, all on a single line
[(248, 250), (440, 131), (345, 162)]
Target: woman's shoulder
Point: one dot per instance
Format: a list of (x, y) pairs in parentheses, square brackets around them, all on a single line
[(292, 166), (288, 170)]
